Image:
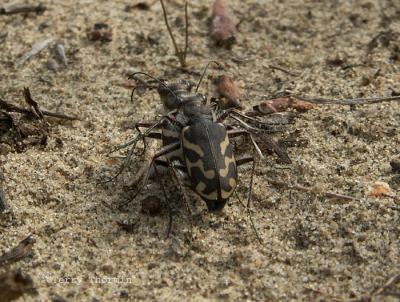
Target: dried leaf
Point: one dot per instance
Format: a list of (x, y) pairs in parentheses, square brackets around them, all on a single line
[(36, 48), (222, 28), (23, 249), (379, 189), (229, 91), (282, 104)]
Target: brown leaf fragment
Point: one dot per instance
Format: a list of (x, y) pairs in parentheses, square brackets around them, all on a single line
[(282, 104), (15, 284), (22, 250), (222, 27), (229, 92), (378, 189), (100, 32), (32, 103)]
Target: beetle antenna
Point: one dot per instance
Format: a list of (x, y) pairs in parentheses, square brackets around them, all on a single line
[(132, 76), (204, 72)]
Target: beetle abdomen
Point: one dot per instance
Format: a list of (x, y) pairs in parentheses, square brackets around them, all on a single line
[(210, 162)]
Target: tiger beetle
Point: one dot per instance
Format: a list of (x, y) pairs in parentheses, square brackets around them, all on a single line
[(196, 142)]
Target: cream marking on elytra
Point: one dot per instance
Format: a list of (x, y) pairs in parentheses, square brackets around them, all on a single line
[(224, 144), (200, 188), (187, 144), (228, 160), (209, 174), (227, 194)]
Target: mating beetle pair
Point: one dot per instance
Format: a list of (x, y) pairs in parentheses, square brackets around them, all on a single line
[(191, 134)]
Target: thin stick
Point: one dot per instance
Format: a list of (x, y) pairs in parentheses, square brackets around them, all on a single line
[(166, 201), (311, 189), (12, 108), (185, 198), (178, 51), (358, 101), (283, 70), (186, 32)]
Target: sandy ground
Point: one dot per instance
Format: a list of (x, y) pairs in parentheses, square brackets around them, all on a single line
[(314, 247)]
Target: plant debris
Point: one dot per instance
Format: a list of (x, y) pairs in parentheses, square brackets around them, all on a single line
[(379, 189), (14, 284), (151, 205), (265, 142), (28, 98), (229, 93), (23, 249), (32, 103), (181, 54), (60, 54), (22, 9), (222, 28), (100, 32), (140, 6), (282, 104), (36, 48)]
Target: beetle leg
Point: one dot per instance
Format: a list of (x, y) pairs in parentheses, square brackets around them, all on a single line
[(244, 160), (162, 152), (248, 159), (164, 163), (236, 133), (166, 202), (185, 198)]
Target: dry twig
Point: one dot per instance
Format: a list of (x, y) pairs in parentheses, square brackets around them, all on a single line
[(310, 189), (12, 108), (178, 52)]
